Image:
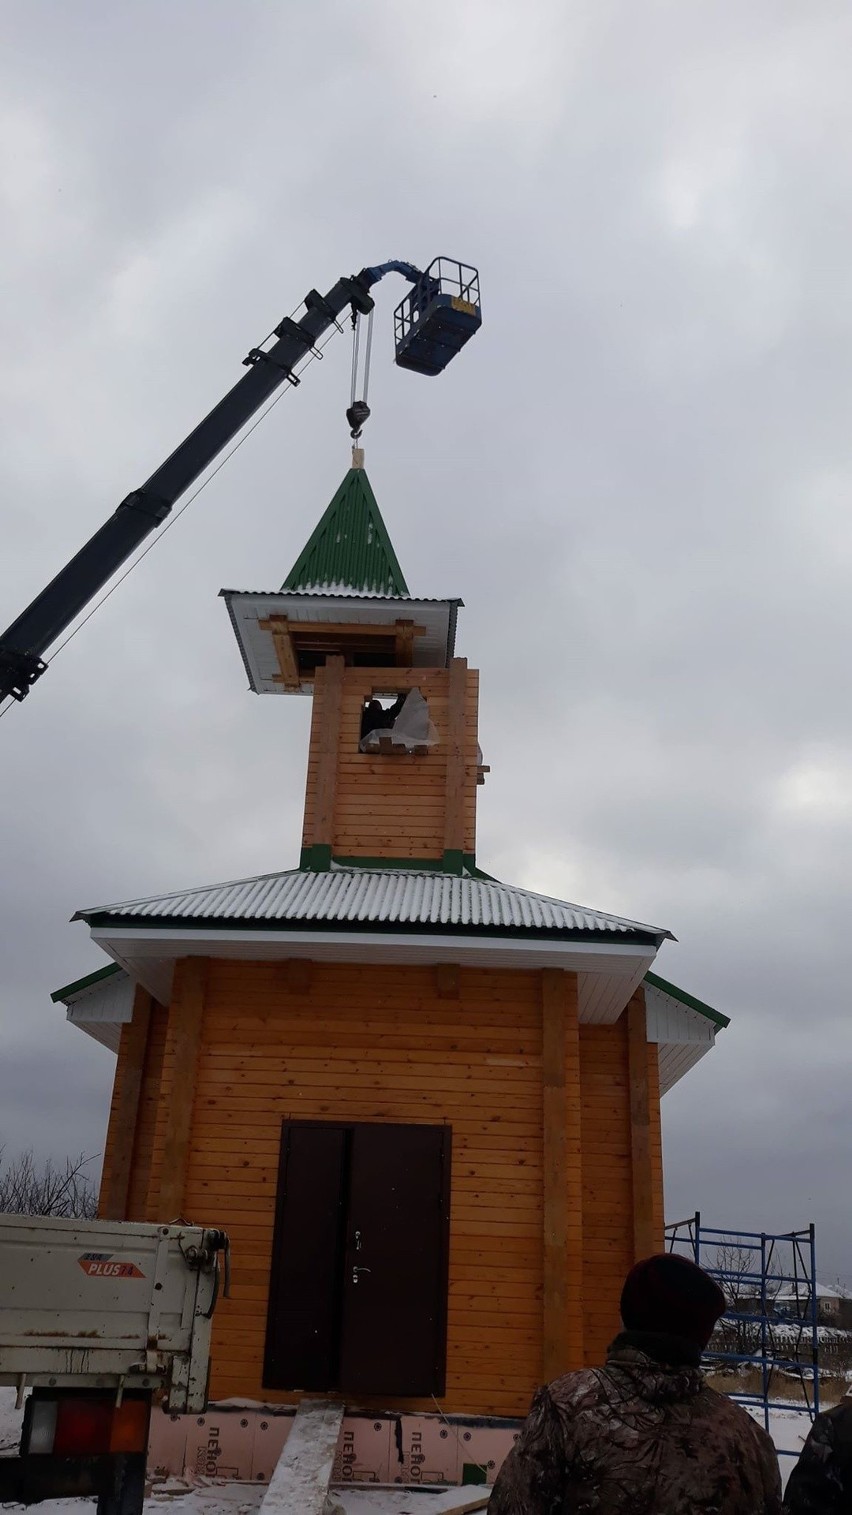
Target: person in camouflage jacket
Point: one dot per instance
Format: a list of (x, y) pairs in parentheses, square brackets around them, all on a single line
[(821, 1481), (644, 1435)]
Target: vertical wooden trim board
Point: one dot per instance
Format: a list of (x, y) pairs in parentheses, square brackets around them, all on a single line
[(123, 1117), (644, 1228), (187, 1008), (563, 1178), (454, 837), (330, 678)]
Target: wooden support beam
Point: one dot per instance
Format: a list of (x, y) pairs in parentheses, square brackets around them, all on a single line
[(289, 675), (122, 1132), (563, 1175), (447, 978), (328, 688), (455, 790), (186, 1014), (645, 1239), (405, 642), (301, 1477), (343, 629)]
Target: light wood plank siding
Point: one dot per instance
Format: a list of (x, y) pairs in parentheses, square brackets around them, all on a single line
[(361, 1043), (562, 1316), (389, 807), (113, 1138), (640, 1128), (607, 1181), (143, 1142), (656, 1144), (376, 1044), (172, 1127)]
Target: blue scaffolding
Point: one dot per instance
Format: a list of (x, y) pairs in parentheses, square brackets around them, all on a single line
[(772, 1324)]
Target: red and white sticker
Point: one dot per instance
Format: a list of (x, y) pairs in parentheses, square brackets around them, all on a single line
[(106, 1265)]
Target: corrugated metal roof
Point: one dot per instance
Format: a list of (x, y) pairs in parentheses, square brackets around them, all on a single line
[(350, 547), (381, 897)]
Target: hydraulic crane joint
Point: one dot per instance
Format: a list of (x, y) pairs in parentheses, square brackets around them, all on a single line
[(148, 504)]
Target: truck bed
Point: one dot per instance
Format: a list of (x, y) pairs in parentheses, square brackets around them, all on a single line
[(107, 1304)]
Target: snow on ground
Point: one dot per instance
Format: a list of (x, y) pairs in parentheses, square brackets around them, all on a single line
[(174, 1497), (788, 1429), (10, 1421)]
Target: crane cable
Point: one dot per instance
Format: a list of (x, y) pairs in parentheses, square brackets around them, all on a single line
[(316, 352), (359, 410)]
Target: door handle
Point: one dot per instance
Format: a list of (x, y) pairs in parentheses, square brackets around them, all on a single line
[(356, 1271)]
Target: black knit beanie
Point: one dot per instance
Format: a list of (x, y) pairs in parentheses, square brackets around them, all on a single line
[(669, 1294)]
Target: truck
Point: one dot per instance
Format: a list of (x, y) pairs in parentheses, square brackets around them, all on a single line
[(101, 1321)]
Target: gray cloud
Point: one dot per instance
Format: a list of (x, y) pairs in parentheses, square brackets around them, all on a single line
[(637, 476)]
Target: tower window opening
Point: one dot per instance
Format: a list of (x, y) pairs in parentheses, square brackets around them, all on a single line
[(397, 723)]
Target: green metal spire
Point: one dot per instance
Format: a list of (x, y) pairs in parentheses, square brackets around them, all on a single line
[(350, 548)]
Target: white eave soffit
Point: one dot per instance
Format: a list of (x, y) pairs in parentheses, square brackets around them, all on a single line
[(608, 972)]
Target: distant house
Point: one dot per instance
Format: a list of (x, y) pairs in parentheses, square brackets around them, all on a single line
[(834, 1304)]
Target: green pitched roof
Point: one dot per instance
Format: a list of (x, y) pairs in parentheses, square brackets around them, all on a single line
[(85, 983), (350, 548)]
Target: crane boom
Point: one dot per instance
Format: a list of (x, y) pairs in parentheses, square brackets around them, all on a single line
[(22, 646), (432, 323)]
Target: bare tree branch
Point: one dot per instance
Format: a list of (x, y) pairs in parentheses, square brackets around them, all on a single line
[(50, 1189)]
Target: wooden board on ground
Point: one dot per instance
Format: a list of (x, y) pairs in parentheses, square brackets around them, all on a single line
[(299, 1485), (370, 1500)]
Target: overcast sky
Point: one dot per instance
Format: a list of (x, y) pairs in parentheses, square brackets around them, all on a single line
[(637, 476)]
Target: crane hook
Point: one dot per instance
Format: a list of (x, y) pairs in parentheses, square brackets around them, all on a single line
[(356, 415), (359, 411)]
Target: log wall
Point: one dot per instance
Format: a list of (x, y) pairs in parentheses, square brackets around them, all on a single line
[(534, 1259), (370, 805)]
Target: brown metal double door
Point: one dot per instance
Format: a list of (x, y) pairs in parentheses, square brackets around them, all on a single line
[(358, 1288)]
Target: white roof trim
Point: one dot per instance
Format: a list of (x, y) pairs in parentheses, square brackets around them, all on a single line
[(608, 971), (102, 1009), (431, 650), (683, 1035)]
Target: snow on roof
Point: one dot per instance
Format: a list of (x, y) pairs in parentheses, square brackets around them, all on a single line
[(386, 897), (822, 1291)]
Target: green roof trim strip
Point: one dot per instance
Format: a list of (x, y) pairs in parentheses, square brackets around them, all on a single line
[(319, 859), (85, 983), (350, 548), (715, 1016)]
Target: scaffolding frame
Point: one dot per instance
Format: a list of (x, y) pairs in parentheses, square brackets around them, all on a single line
[(778, 1284)]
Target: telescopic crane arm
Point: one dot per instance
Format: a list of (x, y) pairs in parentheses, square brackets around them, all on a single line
[(28, 638), (23, 645)]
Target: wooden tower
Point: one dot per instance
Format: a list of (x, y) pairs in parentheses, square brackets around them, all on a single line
[(425, 1104)]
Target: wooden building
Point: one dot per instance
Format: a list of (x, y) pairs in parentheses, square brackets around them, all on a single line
[(424, 1104)]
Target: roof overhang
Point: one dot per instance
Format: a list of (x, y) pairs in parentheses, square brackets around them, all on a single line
[(432, 649), (683, 1028), (608, 973), (100, 1004)]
